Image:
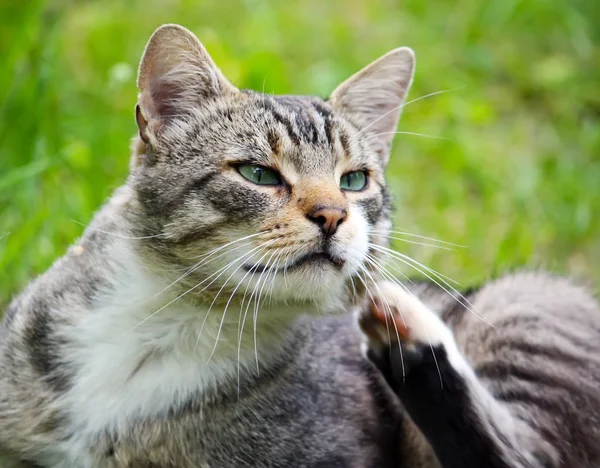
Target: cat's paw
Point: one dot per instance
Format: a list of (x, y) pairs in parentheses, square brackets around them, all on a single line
[(393, 314), (401, 332)]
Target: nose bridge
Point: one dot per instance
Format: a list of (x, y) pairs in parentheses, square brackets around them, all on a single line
[(320, 194), (324, 204)]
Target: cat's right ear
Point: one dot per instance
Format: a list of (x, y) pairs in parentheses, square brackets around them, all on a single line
[(373, 98), (176, 74)]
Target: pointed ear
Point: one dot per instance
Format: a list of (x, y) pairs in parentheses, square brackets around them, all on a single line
[(176, 74), (373, 98)]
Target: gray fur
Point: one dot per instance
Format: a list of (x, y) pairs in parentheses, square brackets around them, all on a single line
[(314, 402)]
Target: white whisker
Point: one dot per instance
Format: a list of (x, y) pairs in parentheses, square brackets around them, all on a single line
[(273, 277), (354, 292), (242, 322), (252, 295), (401, 106), (407, 261), (218, 273), (388, 312), (201, 264), (225, 310), (257, 305), (409, 234), (431, 270), (386, 274), (433, 94), (434, 357), (408, 241), (221, 247), (425, 135)]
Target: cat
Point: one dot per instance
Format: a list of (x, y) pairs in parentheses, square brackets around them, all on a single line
[(228, 306)]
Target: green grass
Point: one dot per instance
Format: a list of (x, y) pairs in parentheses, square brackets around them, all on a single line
[(516, 177)]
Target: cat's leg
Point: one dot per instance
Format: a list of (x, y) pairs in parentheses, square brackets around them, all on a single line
[(418, 356)]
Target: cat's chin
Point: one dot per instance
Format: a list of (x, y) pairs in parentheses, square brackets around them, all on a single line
[(318, 281), (314, 260)]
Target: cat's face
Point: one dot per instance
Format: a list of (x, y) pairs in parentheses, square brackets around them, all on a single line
[(272, 195)]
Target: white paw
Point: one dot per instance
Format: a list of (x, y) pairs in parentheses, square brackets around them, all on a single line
[(393, 314)]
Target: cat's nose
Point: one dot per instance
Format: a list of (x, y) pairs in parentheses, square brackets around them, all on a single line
[(328, 218)]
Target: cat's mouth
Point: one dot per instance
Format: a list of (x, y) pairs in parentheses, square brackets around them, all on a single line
[(314, 257)]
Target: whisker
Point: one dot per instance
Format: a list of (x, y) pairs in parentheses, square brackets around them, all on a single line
[(389, 313), (410, 234), (273, 277), (377, 262), (431, 270), (242, 323), (425, 135), (354, 292), (406, 259), (252, 295), (461, 299), (225, 310), (433, 94), (437, 274), (366, 272), (365, 285), (404, 104), (257, 305), (434, 357), (386, 274), (221, 247), (285, 268), (199, 265), (408, 241), (219, 272), (366, 127)]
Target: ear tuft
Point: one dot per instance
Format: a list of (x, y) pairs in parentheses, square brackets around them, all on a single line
[(176, 74), (373, 98)]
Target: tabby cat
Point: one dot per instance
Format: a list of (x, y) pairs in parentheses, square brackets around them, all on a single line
[(228, 306)]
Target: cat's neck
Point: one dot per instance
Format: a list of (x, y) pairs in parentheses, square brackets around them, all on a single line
[(149, 309), (152, 310)]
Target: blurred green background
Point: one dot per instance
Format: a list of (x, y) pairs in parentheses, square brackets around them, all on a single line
[(514, 176)]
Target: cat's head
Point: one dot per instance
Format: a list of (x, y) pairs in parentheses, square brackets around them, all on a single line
[(254, 191)]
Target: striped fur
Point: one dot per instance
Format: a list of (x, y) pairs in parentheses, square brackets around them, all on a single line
[(516, 386), (206, 321)]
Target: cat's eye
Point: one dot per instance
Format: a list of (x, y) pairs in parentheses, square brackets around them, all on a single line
[(355, 181), (259, 174)]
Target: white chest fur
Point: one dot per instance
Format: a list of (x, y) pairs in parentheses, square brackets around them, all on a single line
[(131, 365)]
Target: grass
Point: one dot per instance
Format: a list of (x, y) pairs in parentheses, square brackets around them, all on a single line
[(515, 175)]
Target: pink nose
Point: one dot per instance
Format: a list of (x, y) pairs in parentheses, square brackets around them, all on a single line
[(328, 217)]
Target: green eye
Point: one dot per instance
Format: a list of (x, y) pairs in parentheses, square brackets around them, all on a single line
[(355, 181), (259, 175)]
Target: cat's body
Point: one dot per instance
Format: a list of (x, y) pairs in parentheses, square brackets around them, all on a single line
[(274, 210), (80, 387), (316, 403)]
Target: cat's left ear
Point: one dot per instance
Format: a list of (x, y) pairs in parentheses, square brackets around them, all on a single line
[(176, 75), (373, 98)]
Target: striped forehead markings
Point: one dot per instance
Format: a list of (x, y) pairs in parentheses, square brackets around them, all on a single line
[(305, 120), (269, 105)]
